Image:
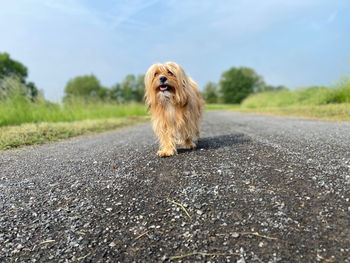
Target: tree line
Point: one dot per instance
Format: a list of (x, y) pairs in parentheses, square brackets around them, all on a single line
[(88, 87), (13, 71), (234, 85)]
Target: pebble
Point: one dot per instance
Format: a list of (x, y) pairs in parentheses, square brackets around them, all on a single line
[(112, 244), (235, 235)]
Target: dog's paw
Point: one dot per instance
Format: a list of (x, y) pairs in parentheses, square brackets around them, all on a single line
[(189, 145), (165, 153)]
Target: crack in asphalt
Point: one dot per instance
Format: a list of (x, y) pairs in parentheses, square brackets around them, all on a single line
[(256, 189)]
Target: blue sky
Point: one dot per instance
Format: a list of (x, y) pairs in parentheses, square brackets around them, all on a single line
[(294, 43)]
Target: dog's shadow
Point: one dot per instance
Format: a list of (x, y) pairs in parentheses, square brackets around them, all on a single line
[(216, 142)]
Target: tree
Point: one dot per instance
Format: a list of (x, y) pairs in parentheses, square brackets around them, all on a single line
[(10, 68), (280, 87), (86, 87), (116, 93), (139, 91), (237, 83), (127, 87), (103, 93), (210, 93), (270, 88), (32, 90), (131, 89)]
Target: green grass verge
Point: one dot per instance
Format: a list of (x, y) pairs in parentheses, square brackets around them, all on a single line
[(330, 112), (23, 122), (18, 110), (213, 107), (300, 97), (314, 102), (39, 133)]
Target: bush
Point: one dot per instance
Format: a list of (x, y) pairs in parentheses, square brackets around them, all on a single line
[(307, 96), (237, 83), (210, 93)]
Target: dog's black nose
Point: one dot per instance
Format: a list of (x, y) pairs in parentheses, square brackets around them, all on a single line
[(162, 79)]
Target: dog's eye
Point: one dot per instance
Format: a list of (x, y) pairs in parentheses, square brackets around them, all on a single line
[(155, 74), (170, 73)]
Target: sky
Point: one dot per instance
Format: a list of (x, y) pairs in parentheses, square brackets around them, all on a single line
[(293, 43)]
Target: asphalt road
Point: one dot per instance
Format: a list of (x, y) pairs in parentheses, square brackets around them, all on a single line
[(257, 189)]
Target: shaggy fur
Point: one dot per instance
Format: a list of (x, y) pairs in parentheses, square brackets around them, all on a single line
[(176, 106)]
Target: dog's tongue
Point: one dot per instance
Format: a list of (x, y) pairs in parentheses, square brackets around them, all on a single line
[(162, 88)]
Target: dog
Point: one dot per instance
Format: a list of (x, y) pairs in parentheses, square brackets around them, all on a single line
[(176, 106)]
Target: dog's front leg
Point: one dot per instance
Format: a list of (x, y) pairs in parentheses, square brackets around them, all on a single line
[(167, 145)]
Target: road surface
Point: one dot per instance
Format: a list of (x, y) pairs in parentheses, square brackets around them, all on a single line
[(257, 189)]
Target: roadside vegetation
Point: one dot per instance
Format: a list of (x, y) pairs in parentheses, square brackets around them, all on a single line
[(328, 112), (26, 117), (220, 106), (306, 96), (328, 103), (26, 122), (253, 95), (43, 132), (17, 109)]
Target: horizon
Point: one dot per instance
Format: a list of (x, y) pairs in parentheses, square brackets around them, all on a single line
[(296, 44)]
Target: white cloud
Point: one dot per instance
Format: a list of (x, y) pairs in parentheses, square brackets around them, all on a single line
[(332, 17)]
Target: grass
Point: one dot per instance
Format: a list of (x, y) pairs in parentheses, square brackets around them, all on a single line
[(23, 122), (301, 97), (39, 133), (17, 110), (314, 102), (329, 112), (212, 107)]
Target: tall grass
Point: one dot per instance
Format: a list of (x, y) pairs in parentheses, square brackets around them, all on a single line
[(216, 106), (301, 97), (16, 108)]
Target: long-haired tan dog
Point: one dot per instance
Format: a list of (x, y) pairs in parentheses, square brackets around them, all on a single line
[(176, 106)]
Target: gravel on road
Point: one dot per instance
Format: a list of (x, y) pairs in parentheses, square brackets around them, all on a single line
[(256, 189)]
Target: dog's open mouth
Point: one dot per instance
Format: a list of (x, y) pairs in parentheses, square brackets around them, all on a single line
[(164, 88)]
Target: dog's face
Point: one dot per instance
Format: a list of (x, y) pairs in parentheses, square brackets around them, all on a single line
[(164, 80), (165, 83)]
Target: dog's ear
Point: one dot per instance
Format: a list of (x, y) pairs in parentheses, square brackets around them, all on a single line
[(150, 95), (184, 87)]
